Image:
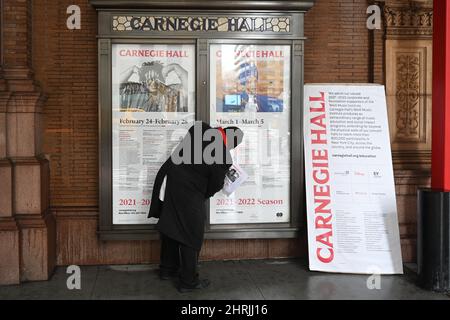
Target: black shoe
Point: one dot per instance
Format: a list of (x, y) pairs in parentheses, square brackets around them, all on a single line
[(202, 284), (167, 275)]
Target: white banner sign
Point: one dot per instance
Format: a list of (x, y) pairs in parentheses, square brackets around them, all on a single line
[(351, 204)]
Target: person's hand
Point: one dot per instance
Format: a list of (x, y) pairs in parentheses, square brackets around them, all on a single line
[(181, 73), (126, 75), (136, 69)]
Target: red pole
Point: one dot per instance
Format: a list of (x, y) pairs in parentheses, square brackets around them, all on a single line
[(440, 172)]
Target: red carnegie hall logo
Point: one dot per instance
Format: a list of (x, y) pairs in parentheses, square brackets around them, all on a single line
[(254, 53), (321, 179), (153, 53)]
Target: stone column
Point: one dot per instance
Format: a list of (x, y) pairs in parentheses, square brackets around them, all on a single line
[(9, 231), (27, 229), (408, 45)]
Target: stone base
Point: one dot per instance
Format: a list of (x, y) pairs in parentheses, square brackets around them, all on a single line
[(38, 247), (27, 229), (9, 252)]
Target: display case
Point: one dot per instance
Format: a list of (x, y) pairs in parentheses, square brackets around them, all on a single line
[(163, 65)]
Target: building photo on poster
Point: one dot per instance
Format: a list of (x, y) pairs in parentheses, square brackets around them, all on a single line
[(350, 191), (153, 94), (250, 89)]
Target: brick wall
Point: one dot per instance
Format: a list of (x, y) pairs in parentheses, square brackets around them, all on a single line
[(65, 63), (15, 11), (337, 49)]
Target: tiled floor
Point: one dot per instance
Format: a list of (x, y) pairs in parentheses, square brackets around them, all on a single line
[(255, 279)]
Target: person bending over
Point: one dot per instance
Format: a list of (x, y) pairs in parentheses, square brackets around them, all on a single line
[(193, 173)]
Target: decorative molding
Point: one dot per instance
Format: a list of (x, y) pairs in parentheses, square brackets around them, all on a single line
[(236, 5), (408, 95), (103, 46), (412, 160), (75, 212), (203, 47), (193, 23), (298, 48), (408, 19), (408, 89)]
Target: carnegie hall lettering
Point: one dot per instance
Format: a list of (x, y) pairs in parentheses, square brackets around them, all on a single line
[(211, 24)]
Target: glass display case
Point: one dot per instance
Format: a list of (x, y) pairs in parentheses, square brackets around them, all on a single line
[(161, 70)]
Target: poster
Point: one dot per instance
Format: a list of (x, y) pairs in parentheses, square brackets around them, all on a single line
[(153, 95), (350, 191), (250, 89)]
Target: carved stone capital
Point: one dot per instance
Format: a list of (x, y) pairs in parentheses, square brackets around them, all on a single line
[(408, 19)]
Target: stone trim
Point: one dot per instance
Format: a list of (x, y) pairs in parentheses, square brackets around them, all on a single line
[(408, 19)]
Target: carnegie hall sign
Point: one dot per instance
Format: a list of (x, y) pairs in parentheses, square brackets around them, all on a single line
[(196, 23)]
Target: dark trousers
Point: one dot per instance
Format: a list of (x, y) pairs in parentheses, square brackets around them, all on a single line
[(175, 257)]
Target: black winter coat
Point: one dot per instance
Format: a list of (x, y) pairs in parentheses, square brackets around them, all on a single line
[(182, 214)]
